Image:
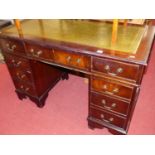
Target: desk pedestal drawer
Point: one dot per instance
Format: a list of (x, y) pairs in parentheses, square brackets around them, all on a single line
[(109, 103), (112, 87), (116, 68), (25, 88), (16, 62), (12, 45), (107, 117), (22, 75)]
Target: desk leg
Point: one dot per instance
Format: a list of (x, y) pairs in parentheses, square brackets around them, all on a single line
[(65, 76), (93, 125), (40, 102), (20, 95)]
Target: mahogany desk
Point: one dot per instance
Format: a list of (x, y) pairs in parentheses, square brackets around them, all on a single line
[(46, 50)]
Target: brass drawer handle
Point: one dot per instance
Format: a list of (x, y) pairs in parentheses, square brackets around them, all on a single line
[(115, 90), (28, 71), (105, 87), (111, 119), (68, 59), (107, 67), (36, 54), (39, 53), (24, 89), (13, 61), (113, 105), (118, 71), (11, 48), (78, 61), (21, 76), (110, 93), (18, 63), (32, 50), (27, 89)]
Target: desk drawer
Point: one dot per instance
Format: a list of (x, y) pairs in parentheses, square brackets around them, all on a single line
[(16, 62), (72, 60), (25, 88), (39, 51), (12, 45), (110, 87), (107, 117), (116, 68), (109, 103), (22, 75)]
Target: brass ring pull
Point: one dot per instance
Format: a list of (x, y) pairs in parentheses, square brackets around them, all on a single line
[(118, 71)]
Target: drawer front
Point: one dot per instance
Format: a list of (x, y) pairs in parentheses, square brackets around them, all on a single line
[(12, 45), (22, 75), (25, 88), (39, 51), (109, 87), (115, 68), (109, 103), (107, 118), (72, 59), (16, 62)]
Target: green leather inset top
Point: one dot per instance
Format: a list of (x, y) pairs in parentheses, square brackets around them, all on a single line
[(95, 34)]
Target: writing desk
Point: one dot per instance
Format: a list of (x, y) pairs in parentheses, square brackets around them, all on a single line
[(46, 50)]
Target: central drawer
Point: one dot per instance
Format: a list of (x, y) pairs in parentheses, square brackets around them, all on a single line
[(72, 59), (111, 87)]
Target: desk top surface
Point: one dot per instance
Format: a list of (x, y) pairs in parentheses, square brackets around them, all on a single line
[(84, 32)]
